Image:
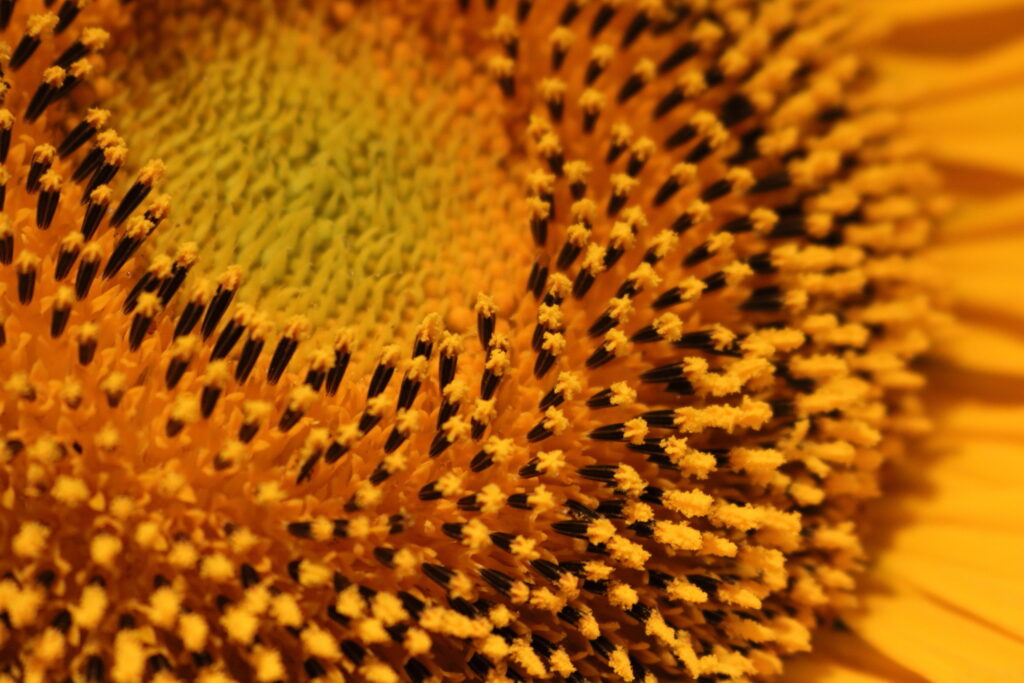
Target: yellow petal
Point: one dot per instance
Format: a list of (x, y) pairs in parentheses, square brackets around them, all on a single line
[(840, 656), (987, 274), (957, 579), (971, 419), (946, 593), (973, 182), (818, 669), (910, 11), (981, 343), (977, 28), (983, 129), (982, 221), (920, 80), (934, 640)]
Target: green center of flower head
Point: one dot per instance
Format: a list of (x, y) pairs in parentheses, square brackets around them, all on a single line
[(333, 164)]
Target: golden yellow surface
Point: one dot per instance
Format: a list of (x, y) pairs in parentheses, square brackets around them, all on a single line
[(510, 340)]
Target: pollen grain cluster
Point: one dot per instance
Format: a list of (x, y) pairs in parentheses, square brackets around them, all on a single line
[(628, 434)]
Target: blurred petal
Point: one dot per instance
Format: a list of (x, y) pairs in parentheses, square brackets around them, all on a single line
[(940, 560), (983, 129), (975, 28), (946, 597), (988, 274), (980, 344), (989, 424), (820, 668), (918, 80), (983, 220), (840, 655), (934, 639), (911, 11), (978, 182)]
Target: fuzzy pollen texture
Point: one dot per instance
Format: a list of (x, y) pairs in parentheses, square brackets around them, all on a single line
[(637, 453)]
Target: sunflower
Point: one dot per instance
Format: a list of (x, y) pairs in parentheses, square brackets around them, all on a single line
[(504, 340)]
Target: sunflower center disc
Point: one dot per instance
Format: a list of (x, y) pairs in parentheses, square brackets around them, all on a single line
[(343, 168)]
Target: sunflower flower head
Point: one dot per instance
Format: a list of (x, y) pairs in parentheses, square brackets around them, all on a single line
[(458, 339)]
